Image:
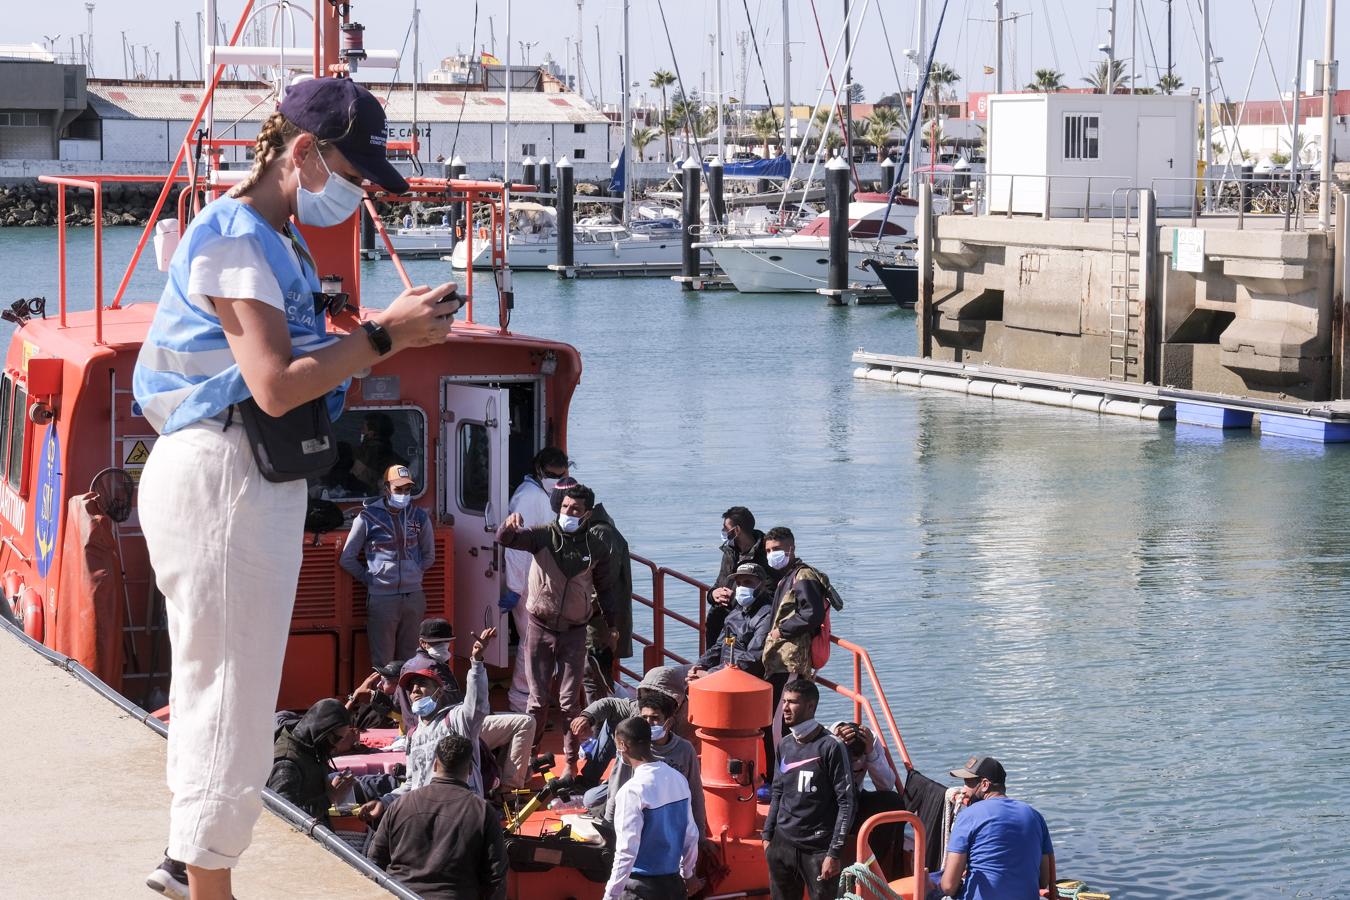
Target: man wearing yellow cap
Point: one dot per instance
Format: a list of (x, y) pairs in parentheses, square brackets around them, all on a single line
[(399, 547)]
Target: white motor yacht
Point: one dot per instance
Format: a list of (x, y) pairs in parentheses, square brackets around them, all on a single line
[(534, 243), (800, 261)]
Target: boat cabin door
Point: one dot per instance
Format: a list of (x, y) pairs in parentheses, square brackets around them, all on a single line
[(474, 432)]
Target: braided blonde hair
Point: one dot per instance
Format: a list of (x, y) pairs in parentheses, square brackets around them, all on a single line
[(277, 131)]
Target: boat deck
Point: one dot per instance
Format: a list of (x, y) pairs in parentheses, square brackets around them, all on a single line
[(90, 818)]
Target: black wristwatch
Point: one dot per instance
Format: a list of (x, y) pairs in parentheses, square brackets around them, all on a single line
[(379, 338)]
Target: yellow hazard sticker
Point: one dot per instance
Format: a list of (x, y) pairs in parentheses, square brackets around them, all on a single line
[(135, 454)]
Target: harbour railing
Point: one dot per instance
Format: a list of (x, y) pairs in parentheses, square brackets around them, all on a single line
[(861, 686)]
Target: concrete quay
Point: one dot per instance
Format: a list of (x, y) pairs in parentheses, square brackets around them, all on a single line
[(1102, 299), (89, 812)]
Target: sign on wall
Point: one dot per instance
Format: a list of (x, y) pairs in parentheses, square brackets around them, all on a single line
[(1188, 250)]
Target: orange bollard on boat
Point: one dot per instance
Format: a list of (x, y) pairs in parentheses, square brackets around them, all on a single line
[(730, 708)]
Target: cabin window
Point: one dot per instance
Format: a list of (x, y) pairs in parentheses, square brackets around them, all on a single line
[(370, 440), (17, 421), (6, 391), (474, 467), (1080, 136)]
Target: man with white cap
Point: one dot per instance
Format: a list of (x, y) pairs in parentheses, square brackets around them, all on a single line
[(999, 848), (399, 546)]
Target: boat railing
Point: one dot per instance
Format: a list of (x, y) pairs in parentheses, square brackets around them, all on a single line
[(861, 686), (88, 183)]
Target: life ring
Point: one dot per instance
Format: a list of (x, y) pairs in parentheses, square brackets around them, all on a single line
[(34, 624), (13, 584)]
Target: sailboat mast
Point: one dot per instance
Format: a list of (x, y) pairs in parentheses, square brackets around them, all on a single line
[(998, 42), (921, 42), (415, 73), (787, 86), (848, 88), (1204, 106), (717, 89), (506, 149), (628, 167)]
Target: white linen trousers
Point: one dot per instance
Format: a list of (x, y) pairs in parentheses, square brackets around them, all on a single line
[(226, 546)]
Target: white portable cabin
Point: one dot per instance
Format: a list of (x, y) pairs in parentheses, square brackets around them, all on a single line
[(1074, 151)]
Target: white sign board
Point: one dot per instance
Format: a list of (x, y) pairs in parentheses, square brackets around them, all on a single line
[(1188, 250)]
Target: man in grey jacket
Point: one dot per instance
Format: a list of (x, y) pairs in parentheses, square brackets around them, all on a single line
[(399, 546)]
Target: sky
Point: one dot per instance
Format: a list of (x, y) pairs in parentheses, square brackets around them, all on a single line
[(1058, 34)]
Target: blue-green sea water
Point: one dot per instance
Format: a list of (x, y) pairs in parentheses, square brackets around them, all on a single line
[(1146, 623)]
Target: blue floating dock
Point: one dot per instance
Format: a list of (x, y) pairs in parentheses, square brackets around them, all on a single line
[(1212, 416), (1304, 428)]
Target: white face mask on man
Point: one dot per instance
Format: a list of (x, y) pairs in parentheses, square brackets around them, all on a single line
[(334, 203), (399, 501), (439, 652), (778, 559)]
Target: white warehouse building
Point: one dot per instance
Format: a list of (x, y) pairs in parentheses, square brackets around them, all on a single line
[(130, 121)]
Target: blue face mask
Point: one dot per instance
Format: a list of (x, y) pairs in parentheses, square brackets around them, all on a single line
[(424, 707), (333, 204), (398, 501), (658, 732), (745, 595)]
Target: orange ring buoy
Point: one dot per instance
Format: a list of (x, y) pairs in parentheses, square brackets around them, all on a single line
[(482, 233), (34, 624), (13, 584)]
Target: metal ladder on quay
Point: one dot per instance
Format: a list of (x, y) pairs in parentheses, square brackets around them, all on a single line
[(1123, 303)]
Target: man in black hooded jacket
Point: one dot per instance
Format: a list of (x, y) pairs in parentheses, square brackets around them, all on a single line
[(302, 757), (741, 543)]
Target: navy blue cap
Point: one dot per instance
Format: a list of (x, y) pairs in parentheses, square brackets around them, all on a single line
[(347, 115)]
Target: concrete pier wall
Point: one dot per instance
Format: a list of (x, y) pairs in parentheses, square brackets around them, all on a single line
[(1035, 294)]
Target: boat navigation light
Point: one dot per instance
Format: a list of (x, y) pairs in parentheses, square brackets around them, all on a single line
[(353, 45)]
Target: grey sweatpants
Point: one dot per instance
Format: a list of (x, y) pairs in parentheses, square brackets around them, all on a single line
[(392, 623)]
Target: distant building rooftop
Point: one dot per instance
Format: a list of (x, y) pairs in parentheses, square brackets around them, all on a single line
[(112, 99)]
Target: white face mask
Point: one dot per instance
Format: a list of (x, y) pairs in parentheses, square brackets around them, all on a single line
[(778, 559), (399, 501), (568, 523), (745, 595), (549, 484), (334, 203), (439, 652)]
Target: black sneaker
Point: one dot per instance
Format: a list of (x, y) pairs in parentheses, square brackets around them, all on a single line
[(170, 879)]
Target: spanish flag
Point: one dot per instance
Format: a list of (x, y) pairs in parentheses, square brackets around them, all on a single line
[(989, 70), (488, 59)]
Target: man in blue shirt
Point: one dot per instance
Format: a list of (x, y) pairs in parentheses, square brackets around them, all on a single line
[(1000, 846)]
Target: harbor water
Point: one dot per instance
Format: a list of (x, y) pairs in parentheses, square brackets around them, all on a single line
[(1146, 623)]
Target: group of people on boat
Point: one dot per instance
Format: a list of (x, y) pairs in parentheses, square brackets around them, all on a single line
[(236, 346)]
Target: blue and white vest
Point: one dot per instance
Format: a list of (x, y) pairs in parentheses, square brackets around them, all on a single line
[(186, 371)]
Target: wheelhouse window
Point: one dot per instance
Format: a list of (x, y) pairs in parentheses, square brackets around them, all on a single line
[(1081, 136), (369, 441), (6, 395), (475, 478), (18, 420)]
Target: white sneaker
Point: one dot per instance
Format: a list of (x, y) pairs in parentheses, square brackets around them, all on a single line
[(169, 879)]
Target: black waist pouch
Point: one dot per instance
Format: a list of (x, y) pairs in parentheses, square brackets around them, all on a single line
[(299, 444)]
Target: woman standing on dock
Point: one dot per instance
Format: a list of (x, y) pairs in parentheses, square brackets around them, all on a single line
[(237, 322)]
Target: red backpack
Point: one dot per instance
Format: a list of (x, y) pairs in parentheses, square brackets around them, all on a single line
[(820, 643)]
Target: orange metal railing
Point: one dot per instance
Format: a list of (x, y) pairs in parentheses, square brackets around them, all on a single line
[(866, 693)]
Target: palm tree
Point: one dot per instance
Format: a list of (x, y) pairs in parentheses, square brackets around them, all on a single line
[(878, 134), (661, 79), (1102, 83), (764, 126), (1170, 84), (670, 126), (819, 120), (941, 76), (932, 137), (1047, 81), (641, 138)]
